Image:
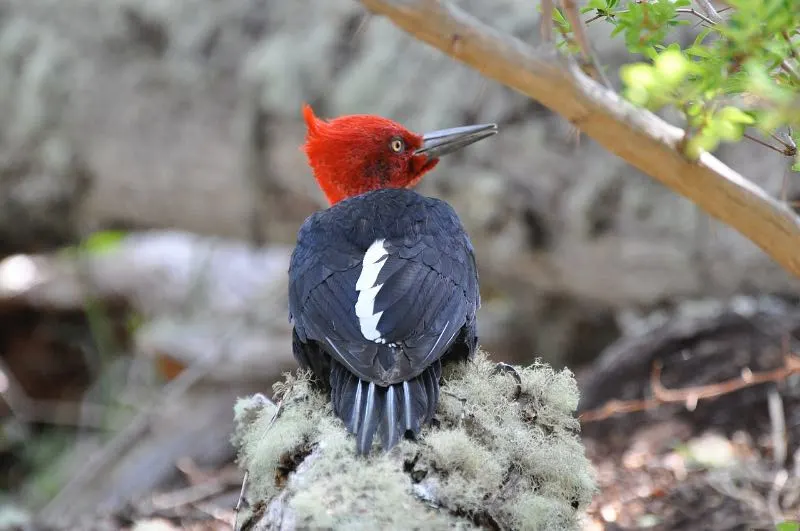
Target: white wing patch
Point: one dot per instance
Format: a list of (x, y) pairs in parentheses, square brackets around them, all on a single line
[(371, 266)]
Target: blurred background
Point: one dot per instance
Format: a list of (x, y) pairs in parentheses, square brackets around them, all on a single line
[(151, 188)]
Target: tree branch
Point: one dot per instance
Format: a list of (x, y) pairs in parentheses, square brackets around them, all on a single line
[(708, 7), (639, 137), (690, 395)]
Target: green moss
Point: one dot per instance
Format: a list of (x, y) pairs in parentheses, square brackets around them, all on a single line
[(494, 457), (554, 394), (534, 511), (353, 489), (470, 467), (275, 435), (454, 450)]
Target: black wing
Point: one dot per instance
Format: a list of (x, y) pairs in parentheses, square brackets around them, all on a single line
[(376, 301)]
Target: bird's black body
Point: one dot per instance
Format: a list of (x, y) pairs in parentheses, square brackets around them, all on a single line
[(383, 371)]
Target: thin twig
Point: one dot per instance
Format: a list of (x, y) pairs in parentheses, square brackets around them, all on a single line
[(240, 501), (789, 69), (242, 492), (765, 144), (188, 495), (791, 366), (688, 395), (696, 13), (789, 149), (777, 420), (792, 51), (546, 24), (709, 10), (618, 407), (594, 18), (773, 500), (569, 39), (579, 31)]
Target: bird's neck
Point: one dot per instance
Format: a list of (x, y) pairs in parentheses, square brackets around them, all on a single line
[(338, 187), (332, 192)]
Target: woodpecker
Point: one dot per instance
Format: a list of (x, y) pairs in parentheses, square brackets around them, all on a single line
[(383, 285)]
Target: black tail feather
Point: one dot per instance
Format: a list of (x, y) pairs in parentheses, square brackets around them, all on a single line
[(367, 408), (392, 424), (431, 382), (372, 409)]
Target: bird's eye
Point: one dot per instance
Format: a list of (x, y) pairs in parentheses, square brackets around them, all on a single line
[(397, 145)]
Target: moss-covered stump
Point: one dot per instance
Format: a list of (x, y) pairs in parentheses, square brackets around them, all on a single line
[(500, 455)]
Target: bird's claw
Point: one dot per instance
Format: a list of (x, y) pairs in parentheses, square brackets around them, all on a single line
[(505, 367)]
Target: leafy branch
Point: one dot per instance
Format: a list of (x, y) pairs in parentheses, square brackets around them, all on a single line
[(742, 70), (634, 134)]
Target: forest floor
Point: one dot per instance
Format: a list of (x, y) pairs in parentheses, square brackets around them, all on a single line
[(720, 464), (657, 480)]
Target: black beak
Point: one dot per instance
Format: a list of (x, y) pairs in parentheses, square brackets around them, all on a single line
[(438, 143)]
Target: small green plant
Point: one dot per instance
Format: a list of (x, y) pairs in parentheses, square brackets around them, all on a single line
[(103, 241)]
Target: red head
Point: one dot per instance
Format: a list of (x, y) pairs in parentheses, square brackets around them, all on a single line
[(354, 154)]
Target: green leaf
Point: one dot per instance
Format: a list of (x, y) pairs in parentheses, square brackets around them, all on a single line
[(742, 59), (651, 52), (672, 66), (697, 144), (637, 95), (103, 241), (694, 109), (639, 75), (788, 526), (736, 115), (728, 131), (698, 51), (701, 37)]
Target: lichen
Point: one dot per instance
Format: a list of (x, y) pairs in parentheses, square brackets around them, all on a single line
[(496, 456)]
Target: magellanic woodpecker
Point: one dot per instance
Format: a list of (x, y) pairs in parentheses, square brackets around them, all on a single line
[(383, 286)]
